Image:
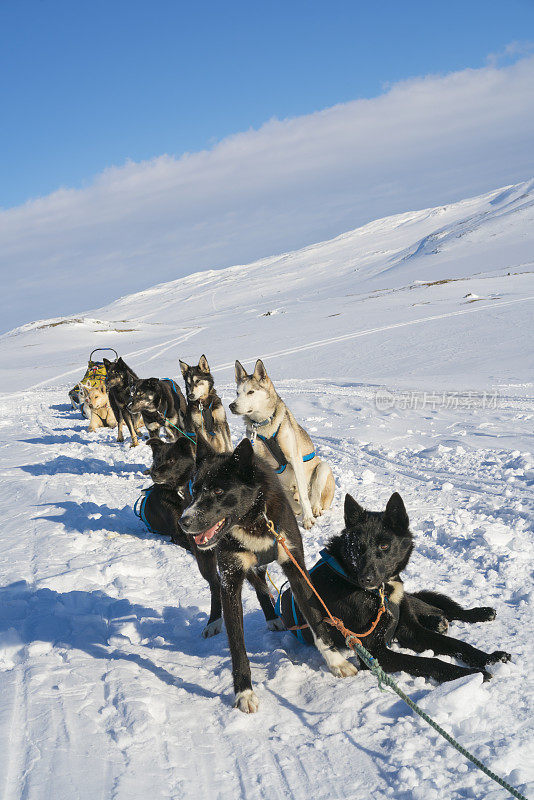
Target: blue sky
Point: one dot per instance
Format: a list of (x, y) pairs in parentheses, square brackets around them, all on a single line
[(88, 84)]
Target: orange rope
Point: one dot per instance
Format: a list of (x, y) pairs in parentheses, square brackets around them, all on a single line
[(347, 634)]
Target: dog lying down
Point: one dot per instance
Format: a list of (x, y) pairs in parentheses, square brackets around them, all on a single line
[(369, 555)]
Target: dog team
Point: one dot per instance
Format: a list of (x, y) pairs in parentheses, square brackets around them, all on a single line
[(223, 504)]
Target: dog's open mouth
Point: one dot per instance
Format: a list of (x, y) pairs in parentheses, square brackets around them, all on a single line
[(203, 538)]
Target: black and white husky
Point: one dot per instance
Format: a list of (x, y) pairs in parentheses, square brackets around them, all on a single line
[(161, 405), (368, 556), (205, 414), (234, 496), (283, 443)]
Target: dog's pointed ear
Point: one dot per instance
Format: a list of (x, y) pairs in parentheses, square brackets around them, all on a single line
[(184, 367), (120, 361), (395, 515), (155, 443), (260, 373), (240, 372), (107, 362), (204, 450), (243, 455), (203, 364), (185, 447), (354, 513)]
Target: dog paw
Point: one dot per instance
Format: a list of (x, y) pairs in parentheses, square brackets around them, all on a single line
[(135, 443), (276, 624), (498, 655), (212, 628), (483, 614), (435, 622), (486, 676), (247, 701), (308, 523), (344, 669), (317, 511)]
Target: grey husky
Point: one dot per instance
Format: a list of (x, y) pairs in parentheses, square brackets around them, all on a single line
[(283, 443)]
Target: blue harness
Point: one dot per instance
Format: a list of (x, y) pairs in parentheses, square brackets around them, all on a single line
[(276, 451), (326, 558), (331, 563), (193, 435), (139, 507)]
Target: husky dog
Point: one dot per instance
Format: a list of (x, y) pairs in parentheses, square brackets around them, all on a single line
[(205, 413), (160, 403), (119, 379), (163, 505), (235, 495), (279, 439), (366, 559), (96, 407)]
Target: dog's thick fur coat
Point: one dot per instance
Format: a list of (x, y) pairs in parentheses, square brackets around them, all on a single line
[(373, 549), (97, 408), (205, 415), (171, 470), (233, 497), (161, 405), (119, 380), (307, 481)]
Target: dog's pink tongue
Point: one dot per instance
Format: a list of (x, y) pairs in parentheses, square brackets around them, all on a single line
[(202, 538)]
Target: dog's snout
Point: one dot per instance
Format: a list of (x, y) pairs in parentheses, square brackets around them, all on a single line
[(369, 579)]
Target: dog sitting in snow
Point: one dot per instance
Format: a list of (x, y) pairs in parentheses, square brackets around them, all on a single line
[(360, 566), (97, 408), (283, 443), (205, 415)]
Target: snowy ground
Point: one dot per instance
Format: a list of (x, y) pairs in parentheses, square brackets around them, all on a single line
[(107, 689)]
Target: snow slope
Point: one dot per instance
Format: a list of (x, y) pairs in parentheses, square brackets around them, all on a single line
[(404, 349)]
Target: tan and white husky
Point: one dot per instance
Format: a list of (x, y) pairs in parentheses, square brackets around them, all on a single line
[(96, 407), (283, 443)]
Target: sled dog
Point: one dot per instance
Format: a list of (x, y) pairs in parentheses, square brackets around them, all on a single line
[(162, 506), (364, 561), (97, 408), (283, 443), (161, 405), (235, 495), (205, 415), (119, 379)]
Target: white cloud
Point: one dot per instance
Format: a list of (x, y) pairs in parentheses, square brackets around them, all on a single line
[(423, 142)]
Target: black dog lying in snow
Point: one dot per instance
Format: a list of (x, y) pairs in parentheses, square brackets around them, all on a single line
[(160, 403), (234, 494), (369, 553), (171, 471)]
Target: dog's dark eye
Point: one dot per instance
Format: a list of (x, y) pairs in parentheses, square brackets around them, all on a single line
[(217, 491), (251, 391), (384, 547)]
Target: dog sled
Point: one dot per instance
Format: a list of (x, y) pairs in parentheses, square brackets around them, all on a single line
[(95, 375)]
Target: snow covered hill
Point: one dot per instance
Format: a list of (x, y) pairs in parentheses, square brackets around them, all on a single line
[(405, 348)]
